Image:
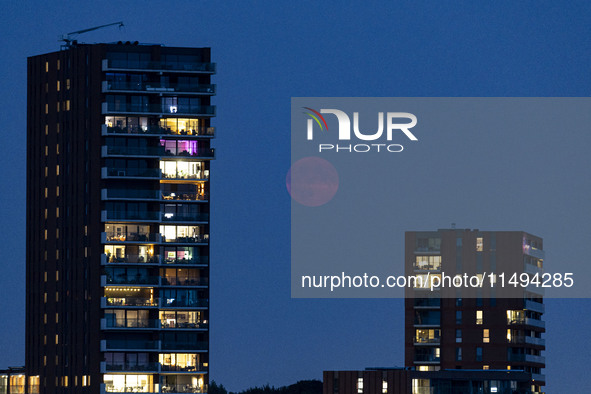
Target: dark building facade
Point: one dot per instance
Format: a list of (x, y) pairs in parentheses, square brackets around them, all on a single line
[(408, 381), (118, 169), (474, 329)]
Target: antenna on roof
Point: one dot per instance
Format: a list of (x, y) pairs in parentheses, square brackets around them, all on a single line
[(69, 40)]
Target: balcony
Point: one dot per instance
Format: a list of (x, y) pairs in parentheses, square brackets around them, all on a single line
[(184, 388), (184, 345), (176, 325), (426, 358), (177, 67), (129, 367), (535, 322), (155, 151), (538, 377), (158, 109), (185, 217), (130, 194), (142, 302), (135, 216), (534, 252), (132, 324), (201, 175), (532, 269), (427, 341), (114, 344), (427, 303), (156, 130), (197, 282), (535, 306), (131, 173), (528, 340), (530, 358), (151, 281), (183, 303), (157, 87), (199, 368), (113, 237), (199, 260), (129, 259), (199, 239), (184, 196)]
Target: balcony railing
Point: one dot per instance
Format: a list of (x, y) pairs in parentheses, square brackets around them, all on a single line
[(167, 324), (433, 341), (184, 282), (185, 217), (189, 368), (131, 259), (130, 215), (426, 358), (158, 130), (194, 260), (111, 236), (110, 344), (110, 64), (185, 196), (131, 367), (174, 303), (159, 109), (136, 280), (184, 345), (535, 306), (201, 175), (130, 194), (196, 239), (157, 87), (131, 301), (155, 151), (183, 388), (131, 172), (130, 323)]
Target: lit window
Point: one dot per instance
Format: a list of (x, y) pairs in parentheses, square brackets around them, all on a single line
[(67, 105), (360, 385), (57, 169), (46, 67), (46, 129), (44, 361), (479, 244), (58, 64), (384, 386), (57, 149), (479, 318), (57, 106), (485, 335), (57, 212), (508, 335), (45, 192), (485, 367), (45, 234), (46, 109), (68, 84), (57, 339), (45, 339), (508, 367), (58, 86), (57, 191)]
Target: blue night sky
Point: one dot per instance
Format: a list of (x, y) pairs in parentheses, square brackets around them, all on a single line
[(268, 52)]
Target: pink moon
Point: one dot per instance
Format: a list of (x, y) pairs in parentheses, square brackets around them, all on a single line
[(312, 181)]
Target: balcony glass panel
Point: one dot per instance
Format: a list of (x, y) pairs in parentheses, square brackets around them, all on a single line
[(188, 148), (133, 172), (145, 107), (130, 296), (183, 298), (179, 362), (183, 255), (122, 232), (183, 319), (184, 212), (182, 277), (133, 193), (183, 170), (184, 234), (129, 383)]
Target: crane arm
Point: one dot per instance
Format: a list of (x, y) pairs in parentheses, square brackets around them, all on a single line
[(67, 38)]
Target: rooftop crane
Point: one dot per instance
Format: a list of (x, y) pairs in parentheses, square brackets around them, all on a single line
[(68, 39)]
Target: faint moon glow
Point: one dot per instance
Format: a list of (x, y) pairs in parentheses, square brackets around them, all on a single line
[(312, 181)]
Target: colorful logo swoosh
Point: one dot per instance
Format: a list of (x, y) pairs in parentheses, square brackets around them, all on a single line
[(315, 116)]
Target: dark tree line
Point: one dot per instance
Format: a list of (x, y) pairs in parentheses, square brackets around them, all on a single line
[(301, 387)]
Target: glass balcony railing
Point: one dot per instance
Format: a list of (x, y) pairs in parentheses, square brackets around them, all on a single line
[(427, 340), (131, 367), (158, 130), (426, 358), (131, 301), (194, 260), (155, 151), (136, 280), (116, 108), (184, 175), (185, 196), (188, 368), (184, 281), (184, 345), (110, 236), (131, 323), (177, 324), (173, 303), (156, 66), (132, 172), (185, 217), (427, 302), (131, 344), (194, 239), (132, 215), (131, 194), (156, 87), (183, 388), (132, 259)]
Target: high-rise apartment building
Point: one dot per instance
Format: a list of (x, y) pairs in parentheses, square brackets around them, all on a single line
[(478, 329), (118, 169)]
